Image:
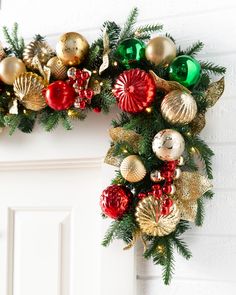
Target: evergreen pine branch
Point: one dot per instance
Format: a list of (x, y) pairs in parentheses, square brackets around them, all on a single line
[(211, 68), (168, 267), (149, 28), (182, 247), (27, 122), (49, 120), (194, 49), (127, 30), (12, 121), (208, 195), (65, 120), (200, 212), (110, 234), (16, 43), (182, 227)]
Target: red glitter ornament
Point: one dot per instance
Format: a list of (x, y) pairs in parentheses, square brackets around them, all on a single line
[(134, 90), (115, 200), (59, 95)]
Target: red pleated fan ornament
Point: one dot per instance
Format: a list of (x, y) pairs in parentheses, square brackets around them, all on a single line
[(134, 90)]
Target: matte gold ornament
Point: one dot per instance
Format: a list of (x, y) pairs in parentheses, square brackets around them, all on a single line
[(178, 107), (198, 123), (167, 86), (72, 48), (39, 49), (28, 89), (214, 92), (160, 50), (10, 68), (151, 221), (132, 169), (191, 186), (155, 176), (58, 69), (168, 145)]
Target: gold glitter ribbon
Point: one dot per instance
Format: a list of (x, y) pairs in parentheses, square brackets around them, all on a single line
[(106, 50), (214, 92)]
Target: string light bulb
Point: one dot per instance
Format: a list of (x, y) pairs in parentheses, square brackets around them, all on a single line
[(148, 110)]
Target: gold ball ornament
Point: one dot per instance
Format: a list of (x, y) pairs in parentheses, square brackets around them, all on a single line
[(73, 114), (10, 68), (155, 176), (168, 145), (178, 107), (39, 49), (151, 221), (160, 50), (132, 169), (72, 48), (58, 69), (28, 89)]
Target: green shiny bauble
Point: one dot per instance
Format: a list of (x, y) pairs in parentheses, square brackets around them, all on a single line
[(130, 51), (185, 70)]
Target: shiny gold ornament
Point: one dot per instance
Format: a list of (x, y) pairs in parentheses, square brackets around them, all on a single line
[(28, 89), (151, 221), (191, 186), (168, 145), (167, 86), (73, 114), (58, 69), (198, 123), (39, 49), (177, 173), (10, 68), (214, 92), (72, 48), (132, 169), (160, 50), (178, 107), (119, 134), (155, 176)]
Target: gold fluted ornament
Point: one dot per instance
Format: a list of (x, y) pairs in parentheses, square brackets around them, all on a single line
[(10, 68), (58, 69), (132, 168), (191, 186), (72, 48), (39, 49), (151, 221), (28, 89), (160, 50), (178, 107)]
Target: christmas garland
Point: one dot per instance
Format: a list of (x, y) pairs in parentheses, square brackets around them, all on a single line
[(164, 92)]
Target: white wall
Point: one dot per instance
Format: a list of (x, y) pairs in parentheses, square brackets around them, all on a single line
[(212, 268)]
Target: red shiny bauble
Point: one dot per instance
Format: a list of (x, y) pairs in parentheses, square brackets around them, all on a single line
[(60, 95), (115, 200), (134, 90)]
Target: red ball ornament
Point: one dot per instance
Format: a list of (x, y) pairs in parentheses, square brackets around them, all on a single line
[(60, 95), (115, 200), (134, 90)]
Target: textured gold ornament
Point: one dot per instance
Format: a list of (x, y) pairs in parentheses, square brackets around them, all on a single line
[(178, 107), (191, 186), (10, 68), (37, 48), (167, 86), (214, 92), (198, 123), (151, 222), (72, 48), (168, 145), (132, 169), (28, 89), (118, 134), (58, 69), (160, 50)]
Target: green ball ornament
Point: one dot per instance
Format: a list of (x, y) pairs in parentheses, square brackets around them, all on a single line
[(185, 70), (130, 51)]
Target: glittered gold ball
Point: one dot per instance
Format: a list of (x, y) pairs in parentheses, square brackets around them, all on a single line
[(73, 114), (151, 221), (160, 50), (72, 48), (132, 169), (28, 89), (39, 49), (178, 107), (168, 145), (58, 69), (10, 68)]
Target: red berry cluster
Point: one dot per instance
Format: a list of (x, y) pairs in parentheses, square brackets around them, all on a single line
[(79, 80)]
